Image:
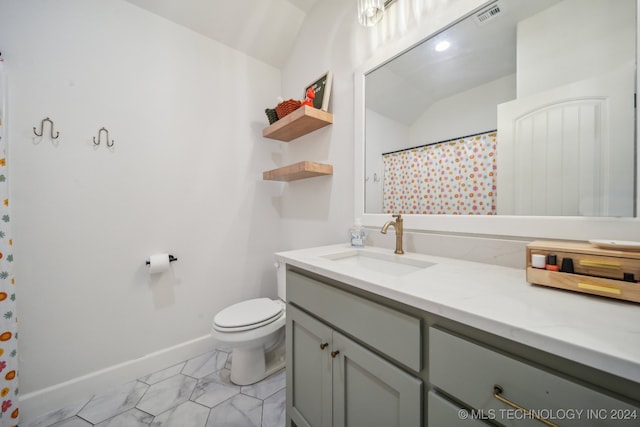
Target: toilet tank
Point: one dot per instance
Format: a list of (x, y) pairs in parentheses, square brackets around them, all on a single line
[(281, 277)]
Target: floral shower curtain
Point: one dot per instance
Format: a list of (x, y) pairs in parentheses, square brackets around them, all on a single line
[(455, 177), (8, 320)]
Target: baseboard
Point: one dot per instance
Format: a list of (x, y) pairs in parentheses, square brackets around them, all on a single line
[(40, 402)]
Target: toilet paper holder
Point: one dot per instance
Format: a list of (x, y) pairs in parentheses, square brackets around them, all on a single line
[(171, 259)]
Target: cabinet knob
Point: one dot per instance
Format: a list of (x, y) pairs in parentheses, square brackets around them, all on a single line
[(335, 353), (323, 345)]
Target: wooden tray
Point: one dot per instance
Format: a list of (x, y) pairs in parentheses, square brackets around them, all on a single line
[(597, 271)]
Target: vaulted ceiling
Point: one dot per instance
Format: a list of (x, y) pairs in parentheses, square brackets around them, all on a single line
[(265, 30)]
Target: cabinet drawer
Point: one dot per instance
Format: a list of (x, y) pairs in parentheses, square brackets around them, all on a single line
[(445, 413), (469, 372), (389, 331)]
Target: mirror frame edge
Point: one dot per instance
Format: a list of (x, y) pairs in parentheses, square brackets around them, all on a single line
[(570, 227)]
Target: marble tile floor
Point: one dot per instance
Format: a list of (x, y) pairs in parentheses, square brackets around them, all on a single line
[(194, 393)]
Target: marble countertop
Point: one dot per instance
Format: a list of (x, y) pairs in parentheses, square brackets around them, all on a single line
[(598, 332)]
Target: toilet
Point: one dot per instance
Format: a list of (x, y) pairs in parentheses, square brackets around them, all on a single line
[(254, 330)]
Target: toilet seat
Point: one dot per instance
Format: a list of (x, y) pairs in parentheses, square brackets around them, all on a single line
[(247, 315)]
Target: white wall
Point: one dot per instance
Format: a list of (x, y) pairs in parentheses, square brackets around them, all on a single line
[(383, 135), (184, 176), (560, 45), (467, 113), (321, 211)]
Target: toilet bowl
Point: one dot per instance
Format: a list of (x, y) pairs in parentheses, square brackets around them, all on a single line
[(254, 329)]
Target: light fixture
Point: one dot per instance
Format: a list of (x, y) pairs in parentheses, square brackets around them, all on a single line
[(370, 12), (442, 46)]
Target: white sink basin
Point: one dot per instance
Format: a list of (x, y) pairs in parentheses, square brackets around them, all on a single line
[(389, 264)]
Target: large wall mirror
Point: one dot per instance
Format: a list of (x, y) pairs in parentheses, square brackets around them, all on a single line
[(523, 111)]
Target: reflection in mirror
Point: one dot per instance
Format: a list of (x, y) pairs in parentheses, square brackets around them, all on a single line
[(524, 108)]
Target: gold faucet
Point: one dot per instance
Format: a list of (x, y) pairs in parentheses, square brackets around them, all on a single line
[(397, 225)]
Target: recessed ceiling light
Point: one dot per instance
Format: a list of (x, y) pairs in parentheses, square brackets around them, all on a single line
[(443, 45)]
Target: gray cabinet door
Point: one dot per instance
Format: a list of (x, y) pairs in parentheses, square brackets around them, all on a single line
[(308, 370), (369, 391)]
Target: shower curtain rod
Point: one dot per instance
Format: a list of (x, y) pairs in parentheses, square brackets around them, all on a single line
[(439, 142)]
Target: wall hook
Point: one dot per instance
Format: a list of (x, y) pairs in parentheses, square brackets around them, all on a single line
[(99, 134), (42, 129)]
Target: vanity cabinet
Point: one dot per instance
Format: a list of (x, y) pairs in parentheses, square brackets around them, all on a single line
[(332, 379), (355, 358)]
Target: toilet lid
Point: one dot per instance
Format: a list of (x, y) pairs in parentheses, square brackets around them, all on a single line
[(247, 313)]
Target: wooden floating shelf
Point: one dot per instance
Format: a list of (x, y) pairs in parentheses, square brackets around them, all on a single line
[(298, 123), (301, 170)]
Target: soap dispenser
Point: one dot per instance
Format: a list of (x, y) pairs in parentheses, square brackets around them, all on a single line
[(357, 234)]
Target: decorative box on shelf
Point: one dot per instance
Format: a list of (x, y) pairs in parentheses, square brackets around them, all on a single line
[(605, 272), (287, 107)]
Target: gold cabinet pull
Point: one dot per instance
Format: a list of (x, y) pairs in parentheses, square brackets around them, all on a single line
[(335, 353), (600, 264), (497, 393), (323, 345), (600, 288)]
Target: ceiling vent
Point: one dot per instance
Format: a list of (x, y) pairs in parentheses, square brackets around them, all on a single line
[(488, 14)]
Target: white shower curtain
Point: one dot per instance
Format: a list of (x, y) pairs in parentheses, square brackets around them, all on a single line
[(8, 319)]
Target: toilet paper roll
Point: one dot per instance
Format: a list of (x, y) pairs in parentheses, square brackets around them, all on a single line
[(158, 263)]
